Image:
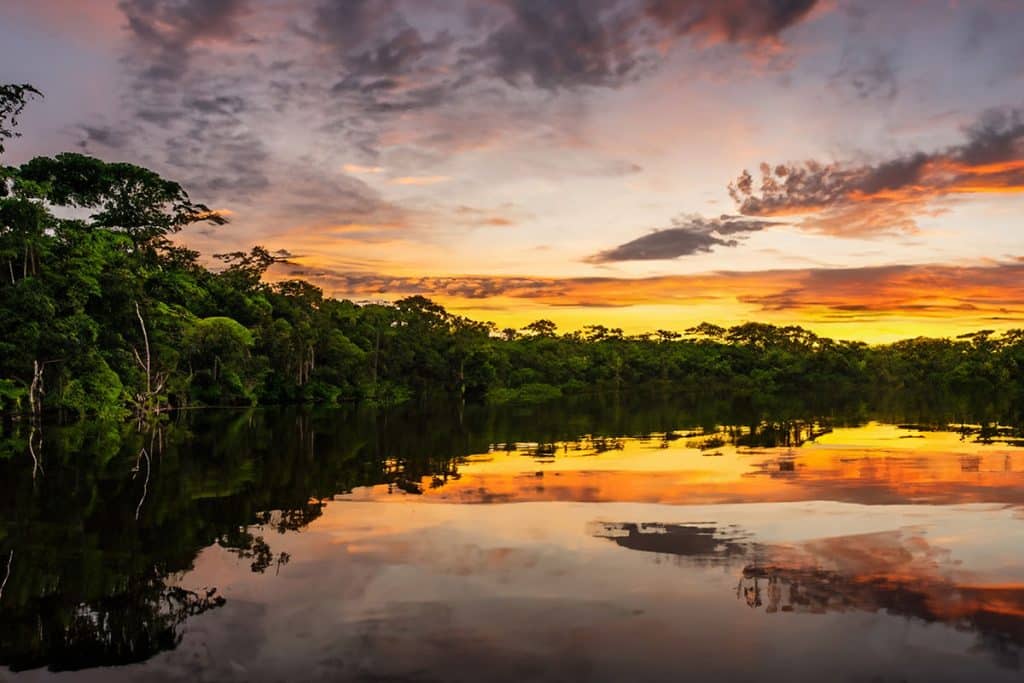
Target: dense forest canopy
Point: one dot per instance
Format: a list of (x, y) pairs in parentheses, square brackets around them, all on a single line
[(104, 313)]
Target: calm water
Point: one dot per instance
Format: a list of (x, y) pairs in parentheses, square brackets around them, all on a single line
[(600, 541)]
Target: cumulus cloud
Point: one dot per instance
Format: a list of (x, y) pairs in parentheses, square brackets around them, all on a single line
[(688, 235), (864, 199)]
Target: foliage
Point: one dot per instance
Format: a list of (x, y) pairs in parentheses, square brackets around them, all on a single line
[(105, 312), (536, 392), (13, 98)]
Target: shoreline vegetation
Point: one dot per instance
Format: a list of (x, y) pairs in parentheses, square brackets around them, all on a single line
[(104, 315)]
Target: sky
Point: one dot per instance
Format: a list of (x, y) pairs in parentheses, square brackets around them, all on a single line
[(855, 167)]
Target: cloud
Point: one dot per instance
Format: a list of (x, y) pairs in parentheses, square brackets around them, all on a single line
[(862, 199), (867, 75), (935, 290), (358, 168), (565, 43), (103, 136), (237, 99), (688, 235), (554, 44), (208, 90), (945, 293), (189, 100), (506, 215), (395, 62), (167, 29), (207, 78), (730, 21), (420, 180), (387, 65)]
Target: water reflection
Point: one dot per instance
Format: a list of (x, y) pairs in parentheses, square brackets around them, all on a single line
[(897, 572), (872, 464), (705, 544), (109, 556)]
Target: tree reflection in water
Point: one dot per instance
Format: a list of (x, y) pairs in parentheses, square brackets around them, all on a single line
[(96, 543)]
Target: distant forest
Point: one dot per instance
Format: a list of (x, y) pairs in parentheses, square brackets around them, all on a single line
[(106, 315)]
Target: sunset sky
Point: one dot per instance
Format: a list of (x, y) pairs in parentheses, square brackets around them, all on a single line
[(856, 167)]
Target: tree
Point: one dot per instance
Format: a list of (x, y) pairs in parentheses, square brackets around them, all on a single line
[(541, 328), (217, 349), (126, 198), (13, 98)]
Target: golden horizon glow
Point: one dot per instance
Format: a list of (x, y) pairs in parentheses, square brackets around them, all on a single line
[(584, 181), (874, 305)]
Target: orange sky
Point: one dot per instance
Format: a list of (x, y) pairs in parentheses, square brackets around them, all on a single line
[(636, 163), (875, 304)]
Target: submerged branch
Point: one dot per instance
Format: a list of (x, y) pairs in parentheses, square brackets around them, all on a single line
[(145, 484), (37, 466), (10, 559)]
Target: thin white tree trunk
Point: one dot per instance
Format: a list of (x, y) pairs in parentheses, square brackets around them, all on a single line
[(148, 365), (10, 559)]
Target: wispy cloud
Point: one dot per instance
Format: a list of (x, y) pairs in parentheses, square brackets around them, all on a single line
[(360, 169), (420, 180)]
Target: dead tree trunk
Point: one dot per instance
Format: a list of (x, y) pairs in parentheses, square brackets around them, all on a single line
[(35, 389), (148, 367), (149, 400)]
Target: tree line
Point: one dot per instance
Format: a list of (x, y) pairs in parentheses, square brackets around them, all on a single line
[(102, 313)]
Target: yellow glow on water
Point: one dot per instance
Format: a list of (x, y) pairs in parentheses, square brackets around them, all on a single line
[(872, 464)]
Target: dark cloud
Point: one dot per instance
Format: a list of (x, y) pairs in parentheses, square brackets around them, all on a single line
[(864, 199), (230, 105), (351, 26), (102, 136), (359, 67), (386, 65), (732, 21), (545, 44), (465, 287), (565, 43), (554, 44), (166, 29), (687, 236), (997, 137)]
